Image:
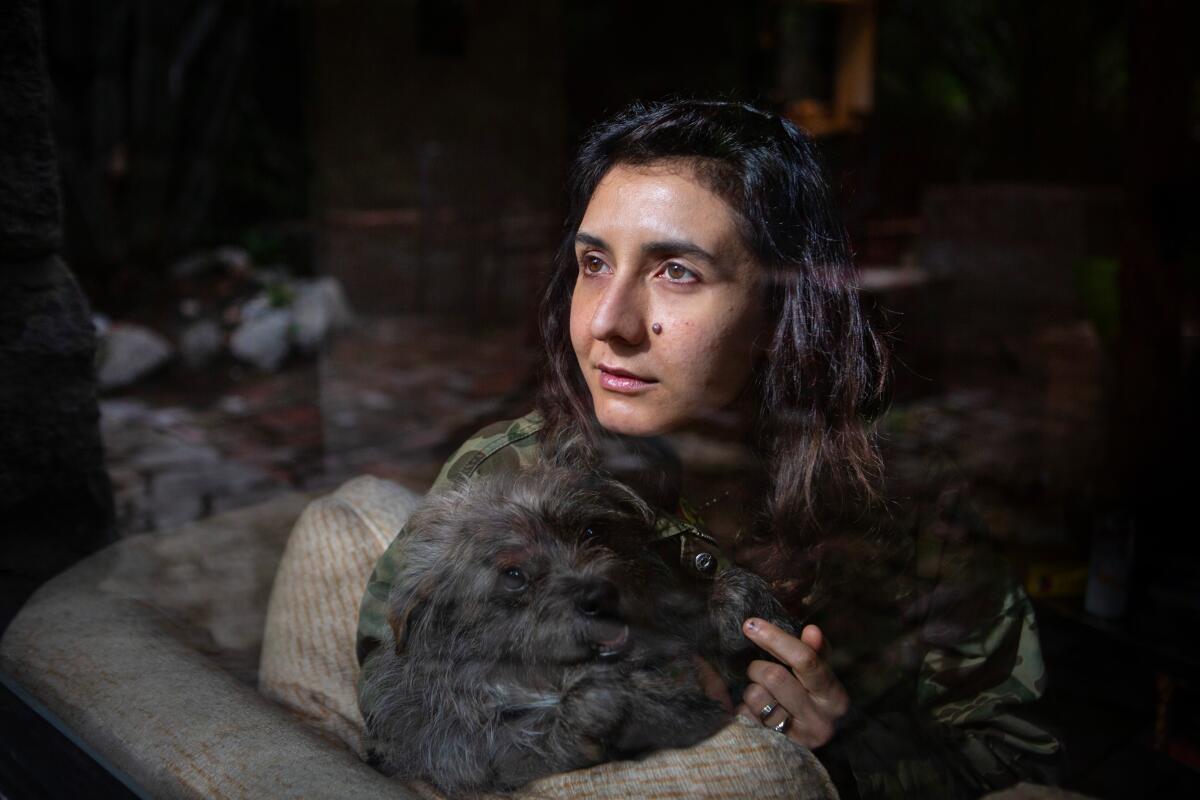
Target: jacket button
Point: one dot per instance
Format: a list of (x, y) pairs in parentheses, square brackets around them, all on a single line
[(705, 563)]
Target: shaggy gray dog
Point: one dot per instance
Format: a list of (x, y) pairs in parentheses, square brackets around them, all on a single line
[(534, 632)]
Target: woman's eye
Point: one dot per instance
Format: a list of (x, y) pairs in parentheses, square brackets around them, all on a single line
[(592, 265), (514, 580), (677, 273)]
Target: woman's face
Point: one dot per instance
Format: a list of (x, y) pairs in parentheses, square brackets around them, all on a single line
[(657, 251)]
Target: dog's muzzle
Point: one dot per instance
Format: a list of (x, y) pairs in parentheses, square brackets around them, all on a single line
[(599, 601), (609, 637)]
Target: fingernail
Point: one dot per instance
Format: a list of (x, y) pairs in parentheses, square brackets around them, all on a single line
[(752, 625)]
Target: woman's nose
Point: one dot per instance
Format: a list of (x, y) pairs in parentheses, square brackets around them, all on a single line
[(619, 313)]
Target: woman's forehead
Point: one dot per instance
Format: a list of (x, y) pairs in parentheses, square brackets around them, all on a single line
[(664, 201)]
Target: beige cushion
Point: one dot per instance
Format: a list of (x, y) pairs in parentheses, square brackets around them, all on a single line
[(146, 650), (308, 665), (308, 662)]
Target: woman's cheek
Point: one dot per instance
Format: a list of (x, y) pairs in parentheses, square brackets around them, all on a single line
[(579, 329), (700, 359), (729, 360)]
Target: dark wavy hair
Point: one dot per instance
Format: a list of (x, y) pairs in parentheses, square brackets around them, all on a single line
[(823, 376)]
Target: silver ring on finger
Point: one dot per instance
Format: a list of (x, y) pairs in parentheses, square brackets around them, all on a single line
[(767, 710), (783, 725)]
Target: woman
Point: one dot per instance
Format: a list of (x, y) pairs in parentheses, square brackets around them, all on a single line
[(704, 285)]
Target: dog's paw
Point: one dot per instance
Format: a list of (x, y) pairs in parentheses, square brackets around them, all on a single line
[(595, 700), (737, 595)]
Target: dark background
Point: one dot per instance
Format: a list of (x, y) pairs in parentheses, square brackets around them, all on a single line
[(1020, 180)]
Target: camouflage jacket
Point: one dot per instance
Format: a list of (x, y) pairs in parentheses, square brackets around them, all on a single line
[(939, 680)]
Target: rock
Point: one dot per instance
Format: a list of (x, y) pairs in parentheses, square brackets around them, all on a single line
[(234, 259), (189, 307), (255, 307), (200, 342), (345, 419), (181, 495), (242, 485), (233, 405), (191, 266), (319, 307), (131, 497), (166, 471), (130, 352), (101, 324), (262, 340), (160, 452), (375, 400), (115, 414)]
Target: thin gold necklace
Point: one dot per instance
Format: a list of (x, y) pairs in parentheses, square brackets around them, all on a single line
[(693, 514)]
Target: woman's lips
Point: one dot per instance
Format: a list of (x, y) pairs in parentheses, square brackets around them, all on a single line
[(616, 379)]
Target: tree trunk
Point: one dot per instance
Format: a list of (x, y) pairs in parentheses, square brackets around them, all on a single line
[(55, 497)]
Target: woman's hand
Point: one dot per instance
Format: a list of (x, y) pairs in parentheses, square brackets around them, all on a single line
[(805, 693)]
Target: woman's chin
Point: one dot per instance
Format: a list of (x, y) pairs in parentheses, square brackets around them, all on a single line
[(622, 419)]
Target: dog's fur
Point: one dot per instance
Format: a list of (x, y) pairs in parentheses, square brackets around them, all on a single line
[(534, 632)]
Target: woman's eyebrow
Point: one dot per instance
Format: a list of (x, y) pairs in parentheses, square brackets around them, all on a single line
[(666, 247), (590, 241), (678, 247)]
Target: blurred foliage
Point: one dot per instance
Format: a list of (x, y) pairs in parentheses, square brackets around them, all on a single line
[(1009, 89), (280, 294), (1097, 281), (179, 125), (264, 246)]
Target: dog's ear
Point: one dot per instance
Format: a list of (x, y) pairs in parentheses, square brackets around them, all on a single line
[(405, 610), (612, 495)]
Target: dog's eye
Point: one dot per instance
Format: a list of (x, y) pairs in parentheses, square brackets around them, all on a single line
[(514, 580), (591, 532)]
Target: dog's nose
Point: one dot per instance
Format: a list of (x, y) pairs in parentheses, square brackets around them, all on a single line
[(598, 598)]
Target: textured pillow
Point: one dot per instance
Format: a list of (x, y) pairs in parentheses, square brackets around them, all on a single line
[(308, 665), (307, 661)]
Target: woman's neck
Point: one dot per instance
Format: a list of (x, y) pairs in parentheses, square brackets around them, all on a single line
[(712, 466), (721, 479)]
